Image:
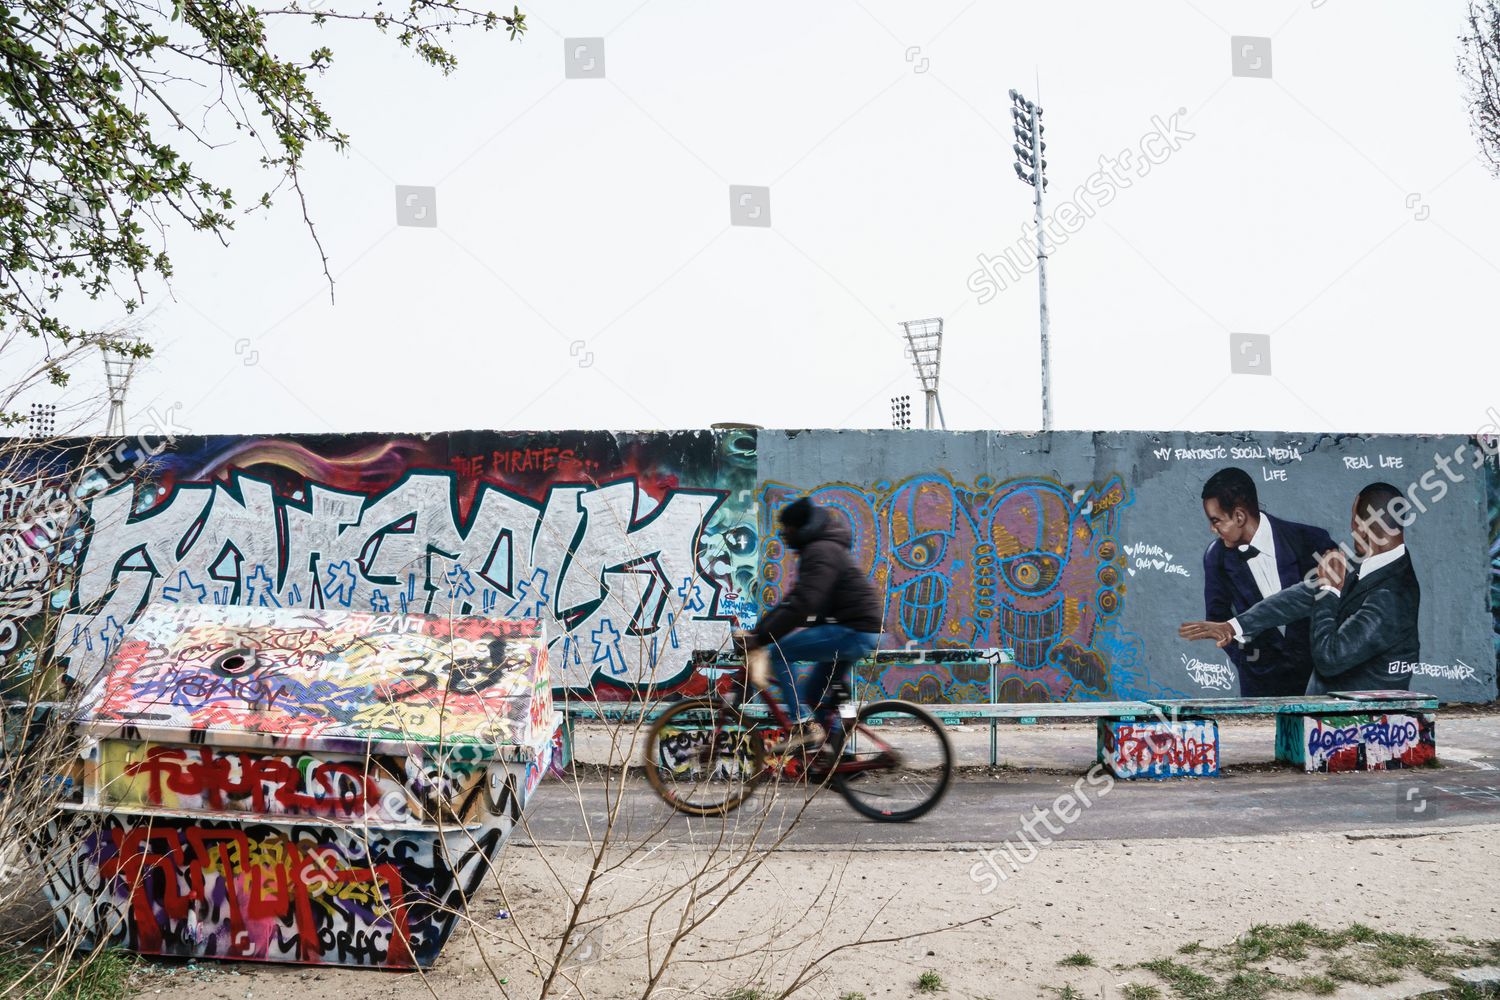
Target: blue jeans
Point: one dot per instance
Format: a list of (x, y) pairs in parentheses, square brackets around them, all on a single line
[(832, 649)]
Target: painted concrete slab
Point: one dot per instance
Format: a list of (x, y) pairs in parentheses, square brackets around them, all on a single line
[(1385, 741), (306, 786), (1159, 749)]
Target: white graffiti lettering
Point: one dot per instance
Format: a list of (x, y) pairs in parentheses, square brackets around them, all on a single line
[(624, 595)]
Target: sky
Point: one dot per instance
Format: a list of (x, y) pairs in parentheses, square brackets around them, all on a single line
[(585, 270)]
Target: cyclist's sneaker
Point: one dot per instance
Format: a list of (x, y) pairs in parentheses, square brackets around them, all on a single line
[(827, 759), (803, 734)]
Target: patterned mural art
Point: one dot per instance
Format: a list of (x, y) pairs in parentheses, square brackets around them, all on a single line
[(1024, 564), (601, 535), (635, 549)]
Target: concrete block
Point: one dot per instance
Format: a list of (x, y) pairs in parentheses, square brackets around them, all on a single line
[(1155, 749), (1363, 742)]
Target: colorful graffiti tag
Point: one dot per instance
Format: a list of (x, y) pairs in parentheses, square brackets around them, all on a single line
[(1171, 749), (632, 573), (306, 893), (1024, 564), (1334, 743)]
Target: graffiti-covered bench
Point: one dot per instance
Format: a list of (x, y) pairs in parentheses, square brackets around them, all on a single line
[(1340, 731), (310, 786)]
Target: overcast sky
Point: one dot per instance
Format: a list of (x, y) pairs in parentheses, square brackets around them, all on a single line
[(584, 272)]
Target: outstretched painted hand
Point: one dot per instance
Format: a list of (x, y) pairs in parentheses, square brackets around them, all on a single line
[(1222, 633)]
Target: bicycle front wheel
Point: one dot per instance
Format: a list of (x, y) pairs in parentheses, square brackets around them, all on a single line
[(703, 757), (898, 763)]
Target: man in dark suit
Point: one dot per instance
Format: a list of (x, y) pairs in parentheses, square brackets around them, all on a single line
[(1363, 615), (1257, 555)]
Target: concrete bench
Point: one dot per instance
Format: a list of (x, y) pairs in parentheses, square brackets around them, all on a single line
[(1340, 731), (1021, 713), (1369, 731), (1158, 738)]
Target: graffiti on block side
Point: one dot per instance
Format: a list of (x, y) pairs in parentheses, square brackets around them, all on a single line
[(325, 894), (1159, 749), (1367, 742)]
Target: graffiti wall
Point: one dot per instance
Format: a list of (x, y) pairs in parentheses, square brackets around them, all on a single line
[(1083, 553), (1151, 749), (1334, 743), (1087, 554), (635, 549)]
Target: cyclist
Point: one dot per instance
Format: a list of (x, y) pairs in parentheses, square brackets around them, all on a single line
[(833, 591)]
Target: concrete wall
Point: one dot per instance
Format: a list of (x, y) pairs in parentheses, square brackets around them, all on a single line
[(1083, 552), (1119, 520)]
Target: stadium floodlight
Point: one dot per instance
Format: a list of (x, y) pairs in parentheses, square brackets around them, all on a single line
[(924, 347), (1031, 168), (901, 412), (119, 365)]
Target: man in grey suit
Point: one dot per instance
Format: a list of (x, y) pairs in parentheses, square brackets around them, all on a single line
[(1363, 616)]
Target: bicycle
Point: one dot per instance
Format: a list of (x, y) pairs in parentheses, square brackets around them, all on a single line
[(892, 762)]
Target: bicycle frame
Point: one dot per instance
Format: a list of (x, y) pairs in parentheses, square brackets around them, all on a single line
[(781, 719)]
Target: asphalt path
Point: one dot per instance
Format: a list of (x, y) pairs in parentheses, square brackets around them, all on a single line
[(985, 810)]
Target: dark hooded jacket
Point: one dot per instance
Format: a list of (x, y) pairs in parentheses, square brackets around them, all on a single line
[(830, 585)]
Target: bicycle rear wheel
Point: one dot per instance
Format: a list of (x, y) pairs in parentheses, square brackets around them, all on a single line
[(703, 757), (899, 765)]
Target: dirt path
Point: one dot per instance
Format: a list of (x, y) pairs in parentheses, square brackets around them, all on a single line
[(1120, 903)]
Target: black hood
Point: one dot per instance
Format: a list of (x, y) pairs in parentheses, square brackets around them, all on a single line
[(823, 525)]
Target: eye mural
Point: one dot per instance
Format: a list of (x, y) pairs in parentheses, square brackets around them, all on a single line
[(1025, 564)]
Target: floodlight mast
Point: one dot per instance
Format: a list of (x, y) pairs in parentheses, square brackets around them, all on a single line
[(924, 346), (1031, 153), (119, 365)]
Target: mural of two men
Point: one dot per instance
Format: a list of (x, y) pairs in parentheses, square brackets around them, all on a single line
[(1296, 613)]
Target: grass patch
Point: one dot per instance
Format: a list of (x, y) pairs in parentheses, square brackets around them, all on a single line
[(1253, 984), (1286, 941), (745, 993), (1185, 981), (1330, 959), (1135, 991), (1318, 985), (852, 995), (930, 982), (1078, 959), (105, 976)]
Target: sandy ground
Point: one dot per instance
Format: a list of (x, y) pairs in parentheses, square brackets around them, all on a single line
[(1121, 903)]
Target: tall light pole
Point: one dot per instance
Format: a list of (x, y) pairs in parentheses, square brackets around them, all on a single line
[(119, 365), (1031, 168), (924, 346)]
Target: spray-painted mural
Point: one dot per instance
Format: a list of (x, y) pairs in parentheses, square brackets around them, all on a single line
[(295, 893), (1023, 564), (1082, 553), (1104, 564), (635, 549)]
